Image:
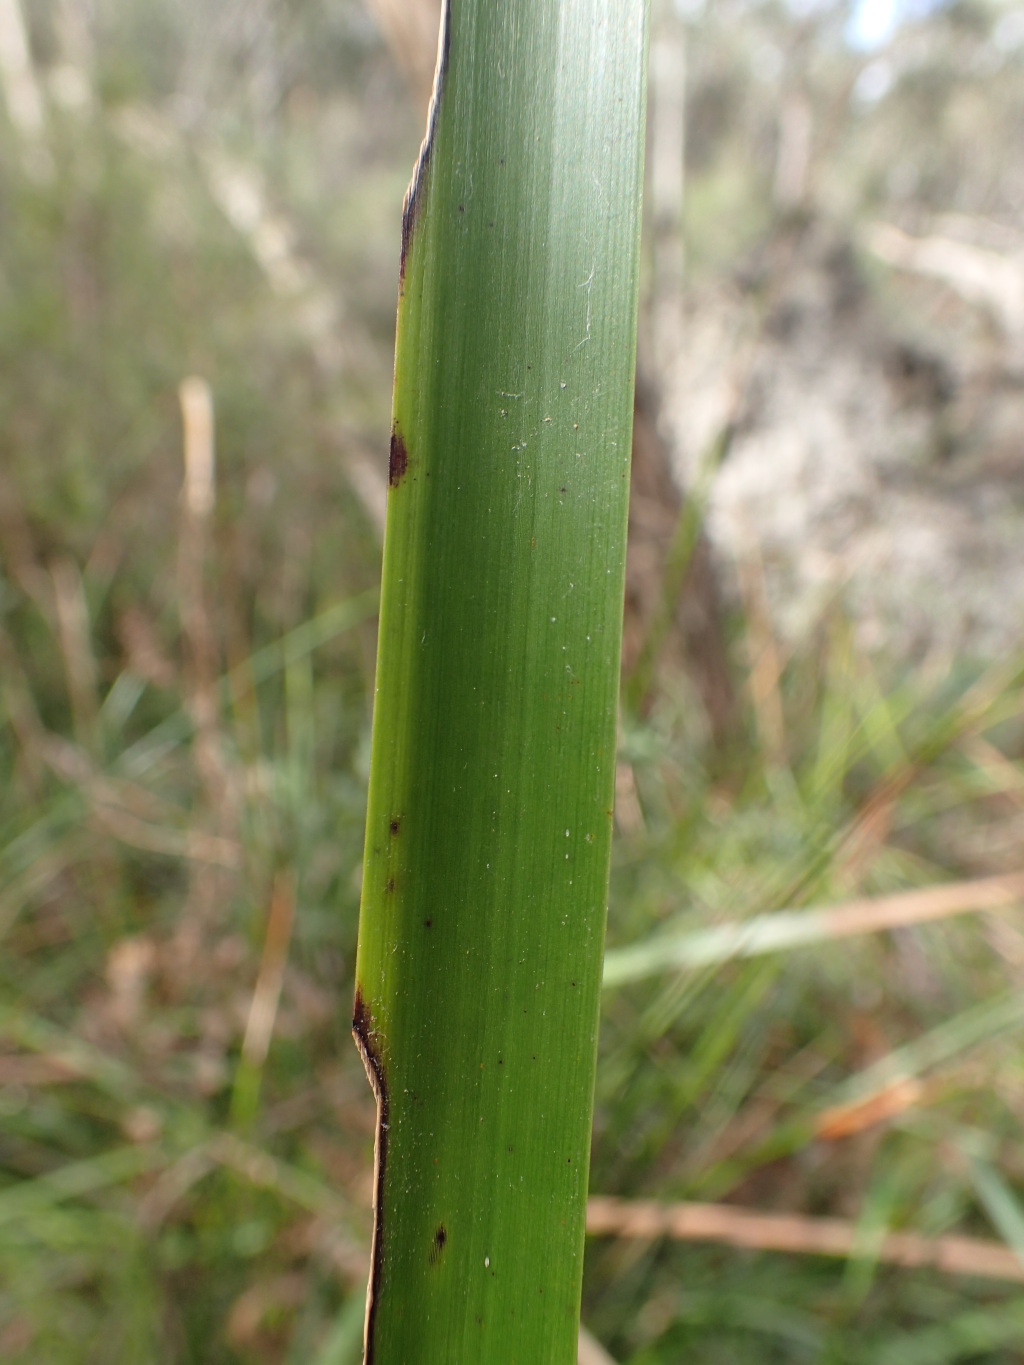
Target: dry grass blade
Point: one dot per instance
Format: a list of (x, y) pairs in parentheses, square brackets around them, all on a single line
[(198, 496), (265, 998), (786, 929), (755, 1231), (266, 1172), (410, 28), (591, 1352), (172, 1185), (844, 1120), (21, 90), (20, 890), (131, 814), (766, 661), (76, 646)]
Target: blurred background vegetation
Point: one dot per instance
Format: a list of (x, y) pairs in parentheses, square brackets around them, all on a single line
[(824, 657)]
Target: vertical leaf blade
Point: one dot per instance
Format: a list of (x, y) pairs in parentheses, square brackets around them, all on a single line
[(489, 820)]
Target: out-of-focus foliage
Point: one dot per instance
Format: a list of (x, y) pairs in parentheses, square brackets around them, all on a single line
[(184, 702)]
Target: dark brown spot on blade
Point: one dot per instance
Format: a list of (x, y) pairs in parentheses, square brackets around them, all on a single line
[(398, 461)]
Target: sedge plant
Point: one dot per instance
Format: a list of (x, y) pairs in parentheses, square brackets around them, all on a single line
[(493, 757)]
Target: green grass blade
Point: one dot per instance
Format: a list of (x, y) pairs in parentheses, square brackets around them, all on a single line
[(489, 820), (999, 1201), (78, 1180), (964, 1031), (296, 645)]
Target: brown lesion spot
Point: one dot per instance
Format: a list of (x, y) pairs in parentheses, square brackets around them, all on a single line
[(398, 460), (395, 825), (438, 1245)]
